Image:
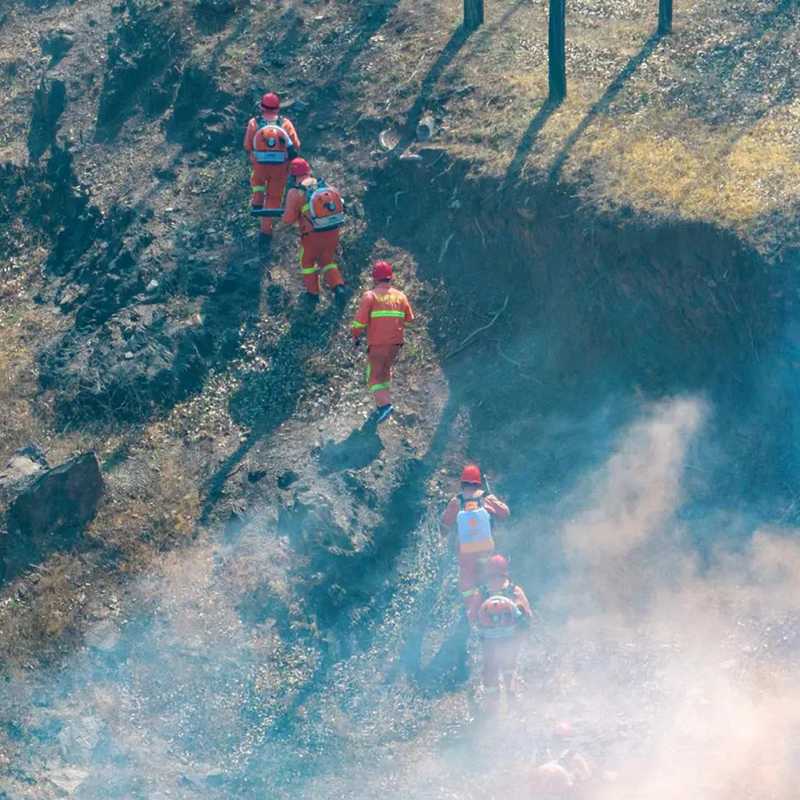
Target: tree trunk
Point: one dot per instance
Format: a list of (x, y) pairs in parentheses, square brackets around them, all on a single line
[(473, 14), (664, 17), (557, 68)]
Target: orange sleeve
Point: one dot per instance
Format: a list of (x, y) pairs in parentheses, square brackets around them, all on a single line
[(362, 315), (294, 203), (407, 309), (496, 507), (522, 602), (290, 129), (249, 133), (449, 516), (473, 604)]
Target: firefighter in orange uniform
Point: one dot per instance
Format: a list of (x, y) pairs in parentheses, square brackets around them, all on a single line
[(384, 312), (271, 142), (564, 771), (472, 512), (318, 209), (501, 611)]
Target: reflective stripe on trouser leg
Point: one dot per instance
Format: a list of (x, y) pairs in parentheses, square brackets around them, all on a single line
[(332, 275), (378, 386)]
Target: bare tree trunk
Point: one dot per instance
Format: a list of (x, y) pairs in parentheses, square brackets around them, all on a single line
[(556, 43), (473, 14), (664, 17)]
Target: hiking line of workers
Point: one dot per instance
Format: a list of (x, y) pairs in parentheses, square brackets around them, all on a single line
[(318, 210), (499, 611), (497, 608)]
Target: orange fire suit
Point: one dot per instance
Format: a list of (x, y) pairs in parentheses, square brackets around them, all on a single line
[(268, 181), (470, 564), (500, 655), (563, 774), (317, 248), (384, 312)]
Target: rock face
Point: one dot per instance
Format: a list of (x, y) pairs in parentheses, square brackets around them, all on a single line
[(48, 508)]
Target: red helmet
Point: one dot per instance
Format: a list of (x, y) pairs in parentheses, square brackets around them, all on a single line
[(471, 474), (497, 566), (270, 102), (299, 167), (562, 730), (498, 612), (381, 271)]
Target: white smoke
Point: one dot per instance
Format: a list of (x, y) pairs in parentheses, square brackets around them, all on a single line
[(695, 674)]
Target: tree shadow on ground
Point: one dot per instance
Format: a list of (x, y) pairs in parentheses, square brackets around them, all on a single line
[(442, 62), (602, 105), (751, 73), (517, 164), (373, 18), (445, 58)]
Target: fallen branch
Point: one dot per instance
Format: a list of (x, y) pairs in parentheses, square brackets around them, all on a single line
[(479, 330), (445, 246), (483, 235)]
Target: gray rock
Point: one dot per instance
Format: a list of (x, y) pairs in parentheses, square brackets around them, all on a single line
[(50, 511), (20, 470), (79, 738), (104, 635), (68, 779)]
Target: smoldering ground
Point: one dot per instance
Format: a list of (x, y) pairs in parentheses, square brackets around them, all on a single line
[(678, 672)]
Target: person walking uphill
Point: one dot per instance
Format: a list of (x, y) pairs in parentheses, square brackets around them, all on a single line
[(271, 142), (471, 512), (384, 312), (318, 209), (501, 611)]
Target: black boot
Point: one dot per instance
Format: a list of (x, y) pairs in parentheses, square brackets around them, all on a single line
[(264, 246), (340, 294), (310, 300)]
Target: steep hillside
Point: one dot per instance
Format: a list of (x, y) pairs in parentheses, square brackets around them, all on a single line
[(606, 299)]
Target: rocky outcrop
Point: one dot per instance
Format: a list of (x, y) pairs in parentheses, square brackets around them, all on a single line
[(49, 102), (47, 508), (139, 70), (203, 116)]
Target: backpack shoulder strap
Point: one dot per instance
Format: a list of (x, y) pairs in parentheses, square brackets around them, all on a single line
[(463, 500)]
